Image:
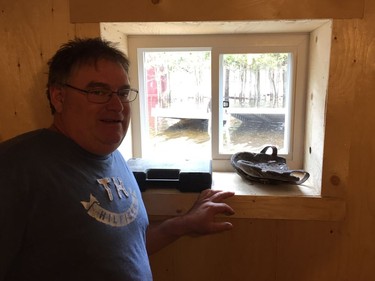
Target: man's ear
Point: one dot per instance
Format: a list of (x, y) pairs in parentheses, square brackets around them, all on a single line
[(57, 96)]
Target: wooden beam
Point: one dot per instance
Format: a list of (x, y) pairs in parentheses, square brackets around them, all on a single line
[(84, 11), (316, 208)]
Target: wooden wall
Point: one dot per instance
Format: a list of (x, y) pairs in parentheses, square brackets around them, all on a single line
[(256, 249), (30, 33)]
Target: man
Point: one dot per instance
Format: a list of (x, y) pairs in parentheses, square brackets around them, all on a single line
[(71, 208)]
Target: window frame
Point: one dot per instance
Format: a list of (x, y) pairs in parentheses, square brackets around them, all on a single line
[(292, 97), (315, 199), (294, 43)]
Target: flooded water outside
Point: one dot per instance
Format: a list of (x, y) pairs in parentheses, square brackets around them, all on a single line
[(190, 138)]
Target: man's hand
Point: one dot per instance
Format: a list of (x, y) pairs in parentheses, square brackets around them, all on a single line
[(199, 220)]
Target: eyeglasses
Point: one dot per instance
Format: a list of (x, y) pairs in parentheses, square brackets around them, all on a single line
[(103, 95)]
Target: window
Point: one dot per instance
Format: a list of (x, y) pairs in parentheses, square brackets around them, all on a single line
[(176, 91), (214, 95), (255, 92), (293, 38)]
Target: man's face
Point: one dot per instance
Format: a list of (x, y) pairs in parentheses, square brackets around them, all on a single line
[(98, 128)]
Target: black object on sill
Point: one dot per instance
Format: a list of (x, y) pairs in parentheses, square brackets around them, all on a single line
[(266, 168), (184, 175)]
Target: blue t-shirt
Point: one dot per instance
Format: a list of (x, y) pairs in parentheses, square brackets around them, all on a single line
[(66, 214)]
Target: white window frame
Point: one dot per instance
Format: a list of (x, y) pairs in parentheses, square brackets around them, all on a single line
[(294, 43)]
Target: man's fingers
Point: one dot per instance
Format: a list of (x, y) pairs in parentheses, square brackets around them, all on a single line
[(207, 193), (219, 196), (221, 226), (222, 208)]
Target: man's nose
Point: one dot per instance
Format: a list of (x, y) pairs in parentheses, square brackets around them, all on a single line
[(115, 103)]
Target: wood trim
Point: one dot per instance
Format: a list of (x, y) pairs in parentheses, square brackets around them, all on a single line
[(210, 10), (252, 201), (253, 207)]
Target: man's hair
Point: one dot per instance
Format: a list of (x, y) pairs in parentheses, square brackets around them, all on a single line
[(80, 52)]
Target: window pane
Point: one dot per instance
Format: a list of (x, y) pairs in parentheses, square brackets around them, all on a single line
[(255, 93), (177, 94)]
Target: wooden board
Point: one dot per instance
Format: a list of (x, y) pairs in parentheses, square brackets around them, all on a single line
[(197, 10)]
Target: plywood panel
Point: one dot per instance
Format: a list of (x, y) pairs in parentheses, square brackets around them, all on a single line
[(197, 10), (30, 35), (308, 251), (246, 253)]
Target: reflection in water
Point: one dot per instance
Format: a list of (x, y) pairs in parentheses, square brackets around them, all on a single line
[(190, 137)]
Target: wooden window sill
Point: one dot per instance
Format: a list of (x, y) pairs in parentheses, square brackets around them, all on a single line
[(252, 201)]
